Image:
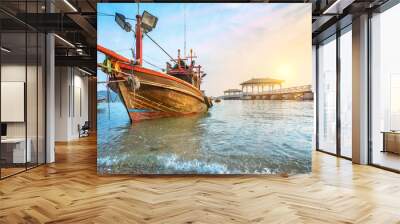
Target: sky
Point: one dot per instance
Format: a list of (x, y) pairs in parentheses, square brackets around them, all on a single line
[(234, 42)]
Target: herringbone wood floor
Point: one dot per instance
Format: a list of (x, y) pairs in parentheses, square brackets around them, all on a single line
[(70, 191)]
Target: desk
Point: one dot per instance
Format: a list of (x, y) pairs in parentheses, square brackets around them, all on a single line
[(18, 151), (391, 141)]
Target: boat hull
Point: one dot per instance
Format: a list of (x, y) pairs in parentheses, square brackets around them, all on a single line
[(158, 96)]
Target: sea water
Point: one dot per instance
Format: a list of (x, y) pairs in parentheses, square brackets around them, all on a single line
[(233, 137)]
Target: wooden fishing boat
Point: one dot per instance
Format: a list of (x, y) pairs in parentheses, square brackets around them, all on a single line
[(149, 94)]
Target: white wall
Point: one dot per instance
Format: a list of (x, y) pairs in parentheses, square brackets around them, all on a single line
[(14, 72), (71, 102), (13, 99), (33, 126), (62, 82), (80, 110)]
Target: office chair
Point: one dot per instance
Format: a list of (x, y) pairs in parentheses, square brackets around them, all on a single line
[(84, 130)]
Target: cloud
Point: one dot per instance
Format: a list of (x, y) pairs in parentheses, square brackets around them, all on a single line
[(234, 42)]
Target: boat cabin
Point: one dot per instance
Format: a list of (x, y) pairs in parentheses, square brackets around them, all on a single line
[(187, 72)]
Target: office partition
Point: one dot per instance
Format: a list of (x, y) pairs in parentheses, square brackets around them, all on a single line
[(22, 77)]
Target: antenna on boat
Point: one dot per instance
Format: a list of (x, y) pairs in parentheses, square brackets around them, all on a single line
[(184, 30), (133, 52), (138, 7), (179, 58), (191, 56)]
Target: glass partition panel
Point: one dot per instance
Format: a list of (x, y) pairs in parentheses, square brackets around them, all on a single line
[(32, 98), (327, 96), (14, 153), (41, 99), (32, 87), (346, 94)]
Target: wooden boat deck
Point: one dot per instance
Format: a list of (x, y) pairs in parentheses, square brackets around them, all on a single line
[(70, 191)]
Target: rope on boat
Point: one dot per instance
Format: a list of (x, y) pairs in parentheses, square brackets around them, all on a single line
[(108, 99), (153, 65), (161, 48), (105, 82), (134, 83)]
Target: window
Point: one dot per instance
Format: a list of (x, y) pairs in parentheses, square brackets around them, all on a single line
[(385, 89), (346, 93), (327, 96)]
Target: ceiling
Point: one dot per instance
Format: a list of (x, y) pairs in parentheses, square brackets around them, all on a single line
[(329, 16), (74, 22)]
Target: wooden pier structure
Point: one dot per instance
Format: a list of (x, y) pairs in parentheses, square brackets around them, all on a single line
[(258, 85), (293, 93), (268, 89), (232, 94)]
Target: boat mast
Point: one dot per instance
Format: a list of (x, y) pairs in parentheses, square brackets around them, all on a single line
[(184, 30), (179, 58), (139, 44), (191, 56)]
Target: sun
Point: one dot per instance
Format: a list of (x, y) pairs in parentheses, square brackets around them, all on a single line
[(285, 72)]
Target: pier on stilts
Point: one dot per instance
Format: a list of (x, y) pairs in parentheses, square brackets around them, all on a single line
[(268, 89)]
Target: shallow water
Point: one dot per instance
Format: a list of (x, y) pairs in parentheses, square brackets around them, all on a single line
[(234, 137)]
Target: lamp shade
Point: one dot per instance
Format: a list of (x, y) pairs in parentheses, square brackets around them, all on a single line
[(149, 21), (121, 21)]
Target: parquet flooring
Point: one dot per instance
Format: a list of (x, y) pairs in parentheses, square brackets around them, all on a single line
[(69, 191), (10, 171)]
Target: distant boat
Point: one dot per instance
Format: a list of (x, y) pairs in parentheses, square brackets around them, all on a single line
[(149, 94), (101, 100), (217, 100)]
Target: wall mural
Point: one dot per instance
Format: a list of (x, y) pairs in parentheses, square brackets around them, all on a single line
[(205, 88)]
